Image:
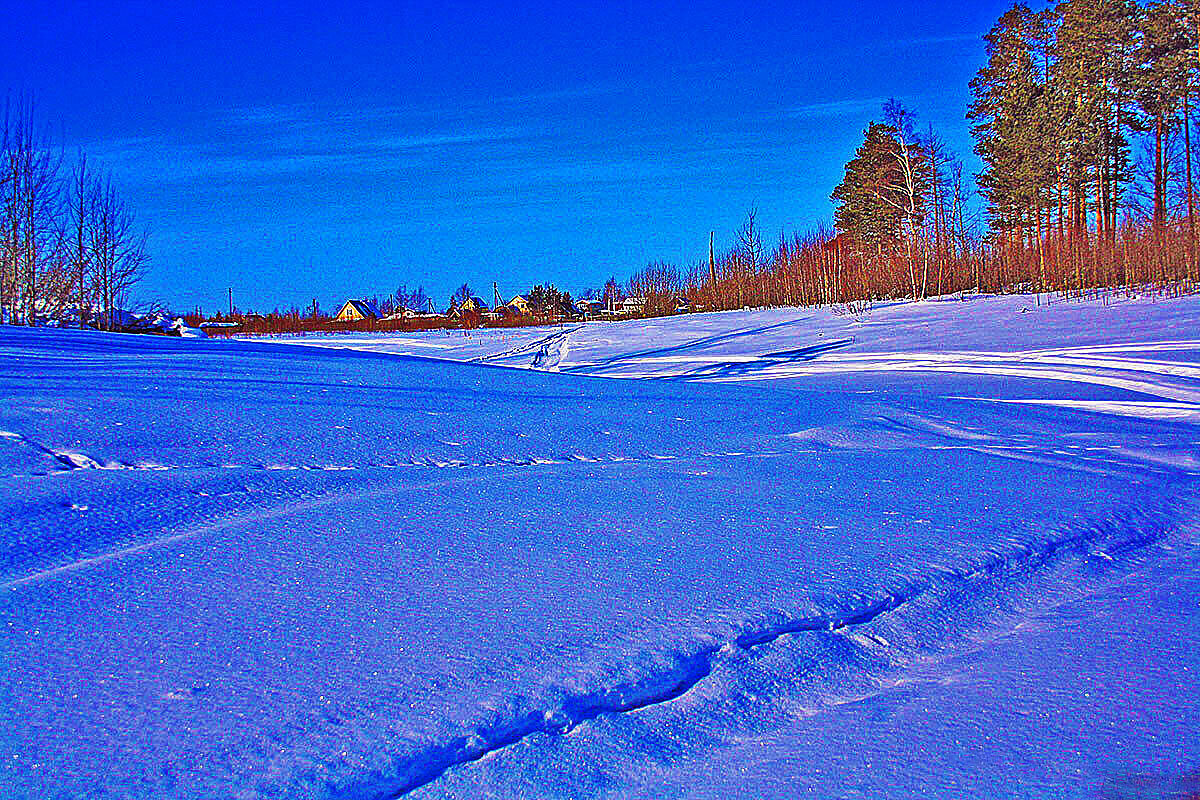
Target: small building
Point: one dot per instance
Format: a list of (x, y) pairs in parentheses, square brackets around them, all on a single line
[(472, 305), (520, 306), (632, 306), (588, 307), (356, 310)]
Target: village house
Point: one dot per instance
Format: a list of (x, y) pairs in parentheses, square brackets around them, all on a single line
[(631, 306), (402, 313), (520, 306), (356, 311), (472, 305), (588, 307), (566, 311)]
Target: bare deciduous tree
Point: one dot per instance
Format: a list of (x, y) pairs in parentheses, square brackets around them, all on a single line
[(118, 252), (81, 225), (63, 243), (30, 210)]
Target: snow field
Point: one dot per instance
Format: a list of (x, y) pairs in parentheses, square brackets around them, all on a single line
[(255, 570)]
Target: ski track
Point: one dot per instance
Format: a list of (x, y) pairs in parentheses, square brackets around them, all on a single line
[(478, 470), (1100, 545), (274, 512), (1179, 412), (540, 348), (1143, 376), (68, 463), (1128, 366), (941, 440)]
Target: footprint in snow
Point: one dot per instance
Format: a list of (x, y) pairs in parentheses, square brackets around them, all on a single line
[(187, 693)]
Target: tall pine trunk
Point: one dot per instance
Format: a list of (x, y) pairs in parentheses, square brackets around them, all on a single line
[(1191, 201), (1160, 189)]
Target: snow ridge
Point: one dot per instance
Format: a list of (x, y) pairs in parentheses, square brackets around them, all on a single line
[(64, 459), (67, 461), (1098, 546)]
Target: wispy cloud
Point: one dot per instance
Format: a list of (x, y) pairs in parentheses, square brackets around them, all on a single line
[(958, 38), (269, 142), (837, 108), (305, 115)]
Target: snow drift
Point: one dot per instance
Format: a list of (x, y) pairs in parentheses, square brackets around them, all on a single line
[(815, 554)]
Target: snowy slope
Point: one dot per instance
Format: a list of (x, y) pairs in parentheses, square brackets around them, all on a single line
[(1140, 344), (239, 569)]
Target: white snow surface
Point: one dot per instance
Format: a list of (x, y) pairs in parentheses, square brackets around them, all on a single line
[(941, 549)]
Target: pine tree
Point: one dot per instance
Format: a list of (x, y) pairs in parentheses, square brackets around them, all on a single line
[(877, 200), (1013, 116), (1093, 77), (1165, 67)]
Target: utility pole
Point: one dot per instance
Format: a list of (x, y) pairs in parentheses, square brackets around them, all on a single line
[(231, 301), (712, 259), (495, 296)]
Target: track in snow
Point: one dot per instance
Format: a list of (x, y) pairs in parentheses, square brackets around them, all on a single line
[(1099, 547)]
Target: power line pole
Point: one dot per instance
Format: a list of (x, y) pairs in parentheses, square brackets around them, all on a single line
[(712, 259), (231, 301)]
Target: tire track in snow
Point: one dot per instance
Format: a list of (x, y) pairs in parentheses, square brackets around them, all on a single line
[(1102, 544)]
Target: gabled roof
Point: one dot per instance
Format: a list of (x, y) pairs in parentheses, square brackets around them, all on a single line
[(470, 304), (520, 303), (364, 307)]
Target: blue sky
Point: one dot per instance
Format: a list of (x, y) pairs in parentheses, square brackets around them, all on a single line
[(331, 149)]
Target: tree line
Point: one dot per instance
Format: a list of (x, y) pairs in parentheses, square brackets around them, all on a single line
[(1083, 117), (1066, 95), (70, 247)]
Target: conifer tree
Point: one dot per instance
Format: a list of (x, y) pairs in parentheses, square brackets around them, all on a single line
[(876, 199), (1165, 70), (1012, 114), (1093, 77)]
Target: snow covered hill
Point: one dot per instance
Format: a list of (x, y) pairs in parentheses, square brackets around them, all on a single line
[(943, 549)]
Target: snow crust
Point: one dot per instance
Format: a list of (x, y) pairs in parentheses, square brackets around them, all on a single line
[(944, 549)]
